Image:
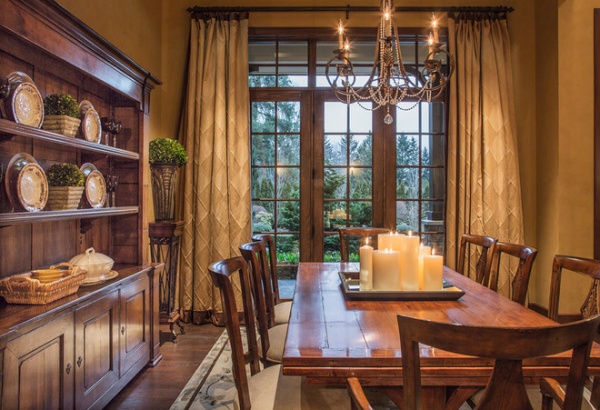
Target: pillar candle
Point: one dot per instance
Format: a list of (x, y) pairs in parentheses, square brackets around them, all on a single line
[(423, 251), (384, 241), (366, 267), (433, 267), (385, 270), (409, 263)]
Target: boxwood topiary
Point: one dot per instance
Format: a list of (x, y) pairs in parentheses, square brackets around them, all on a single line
[(65, 174), (167, 151), (61, 104)]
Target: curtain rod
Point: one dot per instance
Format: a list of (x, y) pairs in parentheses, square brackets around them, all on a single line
[(348, 9)]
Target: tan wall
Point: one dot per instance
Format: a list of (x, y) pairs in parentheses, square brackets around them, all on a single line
[(553, 99)]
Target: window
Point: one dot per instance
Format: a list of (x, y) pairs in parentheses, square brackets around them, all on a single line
[(318, 164)]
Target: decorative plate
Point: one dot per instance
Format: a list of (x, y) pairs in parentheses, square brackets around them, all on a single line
[(32, 188), (87, 168), (26, 184), (91, 126), (24, 104), (95, 189), (100, 279)]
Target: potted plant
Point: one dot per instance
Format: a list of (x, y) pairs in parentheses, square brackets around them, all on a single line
[(65, 186), (166, 156), (61, 114)]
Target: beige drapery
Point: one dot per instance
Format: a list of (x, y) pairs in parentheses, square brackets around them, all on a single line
[(216, 180), (484, 191)]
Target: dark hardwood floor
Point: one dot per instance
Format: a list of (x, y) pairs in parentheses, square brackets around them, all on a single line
[(157, 387)]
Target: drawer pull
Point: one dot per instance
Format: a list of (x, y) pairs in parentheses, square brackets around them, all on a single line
[(68, 369), (79, 360), (123, 330)]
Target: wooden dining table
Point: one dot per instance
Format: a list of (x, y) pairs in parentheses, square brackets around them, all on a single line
[(331, 337)]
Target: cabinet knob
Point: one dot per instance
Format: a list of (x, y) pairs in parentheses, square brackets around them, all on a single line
[(68, 369), (79, 360), (123, 330)]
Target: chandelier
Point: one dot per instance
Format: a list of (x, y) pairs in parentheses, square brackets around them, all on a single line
[(389, 83)]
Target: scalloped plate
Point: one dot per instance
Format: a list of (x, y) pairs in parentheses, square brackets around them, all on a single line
[(91, 126), (95, 189), (100, 279), (26, 184)]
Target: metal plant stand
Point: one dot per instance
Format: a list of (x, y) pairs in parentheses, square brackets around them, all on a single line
[(164, 247)]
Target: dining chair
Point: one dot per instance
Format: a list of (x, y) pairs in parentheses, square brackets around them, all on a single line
[(476, 245), (508, 346), (280, 308), (349, 236), (262, 388), (271, 337), (589, 305), (520, 279)]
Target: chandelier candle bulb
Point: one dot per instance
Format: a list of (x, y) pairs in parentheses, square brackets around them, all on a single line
[(366, 267), (386, 275), (340, 35), (436, 34), (423, 251), (409, 262), (433, 267)]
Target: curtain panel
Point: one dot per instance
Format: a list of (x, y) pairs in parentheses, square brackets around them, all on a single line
[(215, 132), (483, 182)]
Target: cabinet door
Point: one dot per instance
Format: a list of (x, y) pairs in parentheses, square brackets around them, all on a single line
[(96, 349), (135, 324), (39, 369)]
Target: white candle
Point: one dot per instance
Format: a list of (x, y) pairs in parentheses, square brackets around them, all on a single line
[(409, 263), (385, 270), (423, 251), (434, 25), (366, 267), (340, 35), (433, 267)]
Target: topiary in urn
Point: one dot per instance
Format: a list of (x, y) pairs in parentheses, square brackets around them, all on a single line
[(61, 114), (66, 184), (166, 156)]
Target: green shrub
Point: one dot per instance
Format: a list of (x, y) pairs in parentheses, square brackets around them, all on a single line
[(61, 104), (65, 174), (167, 151)]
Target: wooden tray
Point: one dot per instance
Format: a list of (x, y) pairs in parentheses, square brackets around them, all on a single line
[(351, 288)]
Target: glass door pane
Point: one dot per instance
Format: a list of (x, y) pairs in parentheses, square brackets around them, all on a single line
[(347, 172), (275, 147)]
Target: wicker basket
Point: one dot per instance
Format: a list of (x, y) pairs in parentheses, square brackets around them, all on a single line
[(22, 289), (61, 124)]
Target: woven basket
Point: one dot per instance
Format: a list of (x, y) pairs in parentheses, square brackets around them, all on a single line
[(61, 124), (64, 197), (21, 289)]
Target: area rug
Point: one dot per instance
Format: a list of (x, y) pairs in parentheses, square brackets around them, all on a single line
[(211, 385)]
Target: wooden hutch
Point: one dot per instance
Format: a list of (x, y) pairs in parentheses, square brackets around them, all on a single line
[(81, 350)]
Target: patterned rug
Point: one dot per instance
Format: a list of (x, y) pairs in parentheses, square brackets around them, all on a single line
[(211, 386)]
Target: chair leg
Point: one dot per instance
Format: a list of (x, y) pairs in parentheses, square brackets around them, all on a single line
[(595, 393), (547, 402)]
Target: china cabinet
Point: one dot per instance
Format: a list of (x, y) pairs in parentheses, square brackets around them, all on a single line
[(78, 351)]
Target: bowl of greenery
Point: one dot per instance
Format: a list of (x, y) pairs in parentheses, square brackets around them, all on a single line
[(61, 114), (65, 186), (166, 157)]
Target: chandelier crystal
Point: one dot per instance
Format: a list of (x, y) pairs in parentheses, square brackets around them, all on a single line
[(389, 83)]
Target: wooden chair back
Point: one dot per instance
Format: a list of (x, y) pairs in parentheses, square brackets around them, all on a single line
[(581, 266), (520, 282), (589, 305), (255, 255), (270, 246), (223, 274), (508, 346), (347, 234), (478, 245)]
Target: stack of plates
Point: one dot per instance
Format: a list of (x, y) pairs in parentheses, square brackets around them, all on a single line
[(47, 275)]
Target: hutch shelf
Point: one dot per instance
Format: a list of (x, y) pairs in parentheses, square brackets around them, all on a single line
[(81, 350)]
